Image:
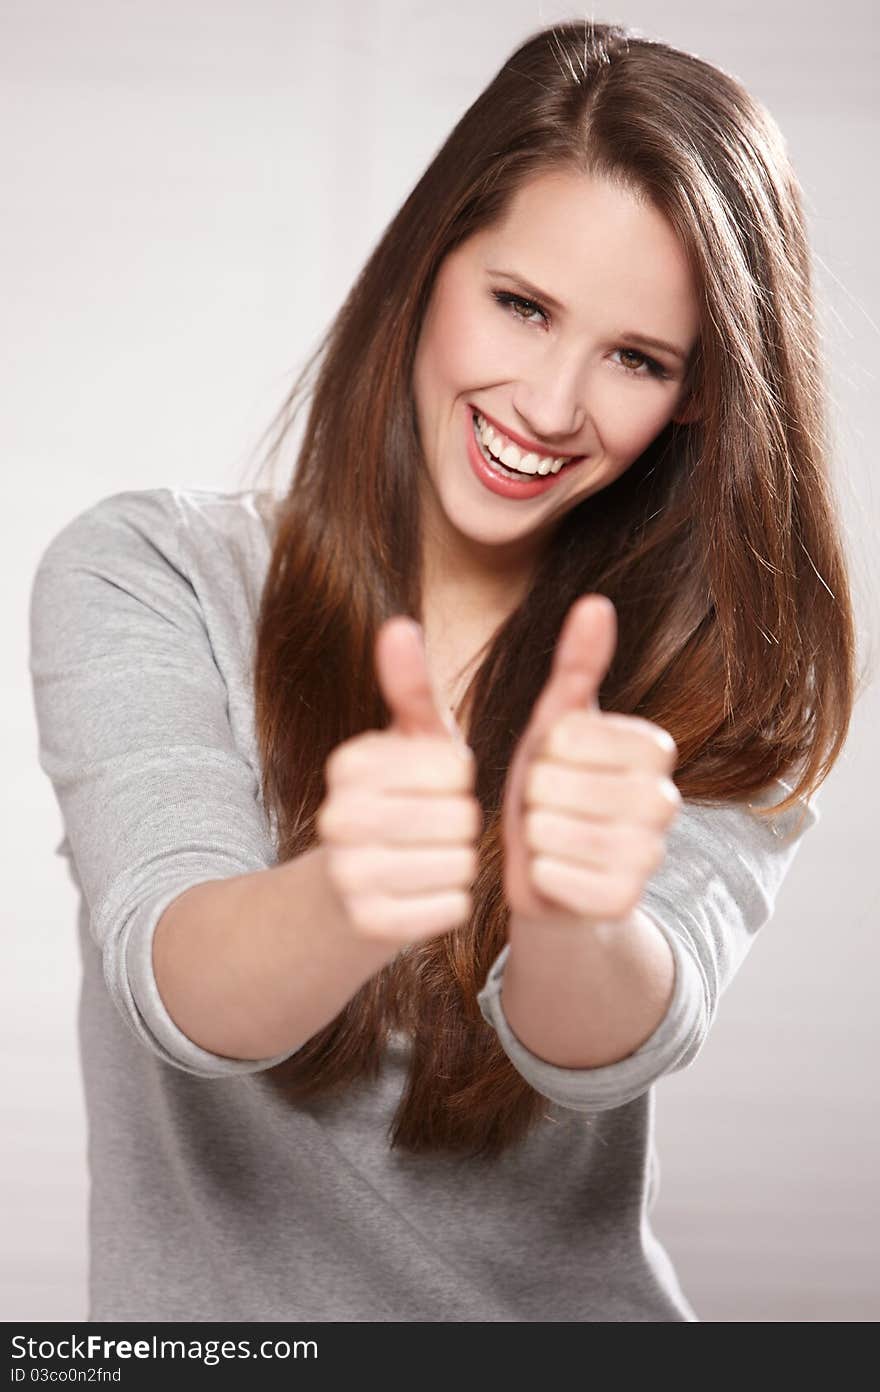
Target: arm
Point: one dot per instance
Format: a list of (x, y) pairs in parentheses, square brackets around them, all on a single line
[(254, 965), (583, 998), (715, 890), (168, 839)]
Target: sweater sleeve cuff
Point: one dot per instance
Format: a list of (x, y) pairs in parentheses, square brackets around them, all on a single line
[(142, 1006), (611, 1085)]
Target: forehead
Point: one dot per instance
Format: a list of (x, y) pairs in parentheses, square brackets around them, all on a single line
[(591, 242)]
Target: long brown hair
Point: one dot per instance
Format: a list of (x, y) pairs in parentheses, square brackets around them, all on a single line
[(719, 546)]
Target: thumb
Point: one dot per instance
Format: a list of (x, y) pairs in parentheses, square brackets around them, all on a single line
[(583, 655), (404, 679)]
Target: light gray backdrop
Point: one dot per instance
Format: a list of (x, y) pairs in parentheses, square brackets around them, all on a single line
[(188, 190)]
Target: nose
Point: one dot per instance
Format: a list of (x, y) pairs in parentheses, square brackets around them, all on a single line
[(552, 402)]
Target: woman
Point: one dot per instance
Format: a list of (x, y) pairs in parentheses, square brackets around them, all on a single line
[(404, 925)]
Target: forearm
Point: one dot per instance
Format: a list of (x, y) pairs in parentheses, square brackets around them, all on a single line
[(582, 996), (254, 965)]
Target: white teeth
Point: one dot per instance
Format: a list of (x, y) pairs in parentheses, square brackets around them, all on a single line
[(511, 456), (514, 458)]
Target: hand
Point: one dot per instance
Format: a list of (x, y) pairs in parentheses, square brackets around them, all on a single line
[(399, 822), (589, 795)]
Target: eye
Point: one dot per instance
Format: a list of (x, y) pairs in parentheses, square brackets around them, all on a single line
[(651, 367), (514, 303)]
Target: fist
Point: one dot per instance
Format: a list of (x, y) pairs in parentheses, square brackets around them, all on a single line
[(589, 795), (400, 822)]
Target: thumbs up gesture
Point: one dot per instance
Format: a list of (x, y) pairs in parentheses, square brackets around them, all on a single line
[(589, 795), (399, 822)]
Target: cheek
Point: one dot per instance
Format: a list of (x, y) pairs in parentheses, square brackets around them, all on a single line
[(632, 415), (465, 347)]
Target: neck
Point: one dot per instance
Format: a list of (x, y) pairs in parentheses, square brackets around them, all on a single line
[(464, 603), (473, 585)]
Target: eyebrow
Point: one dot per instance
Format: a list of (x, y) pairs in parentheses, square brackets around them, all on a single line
[(535, 292)]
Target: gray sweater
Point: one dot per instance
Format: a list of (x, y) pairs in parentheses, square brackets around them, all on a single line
[(210, 1197)]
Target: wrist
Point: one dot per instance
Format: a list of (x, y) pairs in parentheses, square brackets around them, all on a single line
[(561, 925)]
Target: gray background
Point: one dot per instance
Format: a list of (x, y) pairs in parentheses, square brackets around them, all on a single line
[(188, 190)]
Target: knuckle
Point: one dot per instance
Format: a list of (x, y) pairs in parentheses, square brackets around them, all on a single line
[(455, 908), (471, 818), (658, 797), (656, 735), (464, 756), (469, 864), (670, 798), (668, 748), (462, 905), (661, 739)]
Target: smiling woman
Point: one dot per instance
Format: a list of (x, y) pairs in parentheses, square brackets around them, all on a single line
[(571, 421)]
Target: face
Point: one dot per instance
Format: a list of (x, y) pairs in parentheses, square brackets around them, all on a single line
[(539, 324)]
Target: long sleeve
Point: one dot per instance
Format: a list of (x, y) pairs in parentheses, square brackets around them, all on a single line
[(715, 889), (134, 734)]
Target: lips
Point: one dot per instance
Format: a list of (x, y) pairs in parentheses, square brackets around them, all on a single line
[(520, 488), (523, 443)]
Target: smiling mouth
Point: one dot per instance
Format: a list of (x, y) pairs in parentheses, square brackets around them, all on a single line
[(542, 465)]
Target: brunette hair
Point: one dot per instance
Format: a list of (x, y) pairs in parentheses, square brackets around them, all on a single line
[(719, 546)]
